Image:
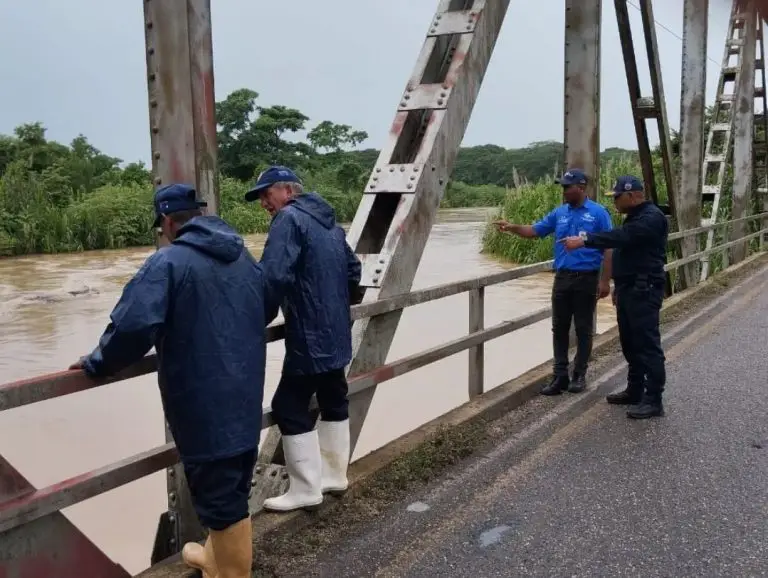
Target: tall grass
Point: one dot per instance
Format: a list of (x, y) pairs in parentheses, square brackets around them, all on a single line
[(531, 201), (36, 219)]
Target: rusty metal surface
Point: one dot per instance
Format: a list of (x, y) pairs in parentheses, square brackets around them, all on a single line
[(636, 98), (50, 546), (459, 64), (26, 391), (203, 101), (692, 116), (35, 504), (660, 103), (184, 149), (169, 88), (582, 88), (743, 130)]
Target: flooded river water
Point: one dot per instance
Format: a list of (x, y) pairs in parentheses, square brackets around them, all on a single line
[(54, 307)]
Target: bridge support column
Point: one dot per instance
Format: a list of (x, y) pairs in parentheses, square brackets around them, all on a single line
[(582, 88), (692, 111), (744, 122), (581, 100), (183, 135)]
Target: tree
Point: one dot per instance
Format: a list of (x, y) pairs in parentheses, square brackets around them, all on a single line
[(335, 137)]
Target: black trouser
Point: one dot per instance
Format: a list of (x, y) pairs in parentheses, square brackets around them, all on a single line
[(638, 305), (574, 297), (290, 404)]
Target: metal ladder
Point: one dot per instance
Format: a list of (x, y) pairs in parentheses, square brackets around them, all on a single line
[(719, 146)]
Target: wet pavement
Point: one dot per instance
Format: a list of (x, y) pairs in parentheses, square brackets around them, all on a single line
[(584, 491)]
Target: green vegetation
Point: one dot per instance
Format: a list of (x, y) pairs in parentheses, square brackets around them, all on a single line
[(56, 198), (528, 203)]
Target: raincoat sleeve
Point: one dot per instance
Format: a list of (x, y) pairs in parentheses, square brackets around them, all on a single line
[(644, 229), (279, 258), (135, 322), (354, 272)]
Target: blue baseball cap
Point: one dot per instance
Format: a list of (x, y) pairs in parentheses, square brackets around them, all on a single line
[(625, 184), (274, 174), (572, 177), (173, 198)]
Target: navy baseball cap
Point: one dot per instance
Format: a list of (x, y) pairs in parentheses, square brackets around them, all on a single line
[(173, 198), (274, 174), (625, 184), (572, 177)]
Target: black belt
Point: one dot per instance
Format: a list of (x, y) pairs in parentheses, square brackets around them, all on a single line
[(572, 273)]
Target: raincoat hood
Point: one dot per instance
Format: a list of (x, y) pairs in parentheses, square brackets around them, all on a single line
[(212, 236), (316, 207)]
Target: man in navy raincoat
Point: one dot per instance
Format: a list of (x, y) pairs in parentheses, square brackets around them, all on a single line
[(201, 302), (312, 269)]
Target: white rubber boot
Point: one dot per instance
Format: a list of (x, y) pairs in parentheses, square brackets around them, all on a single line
[(302, 461), (334, 450)]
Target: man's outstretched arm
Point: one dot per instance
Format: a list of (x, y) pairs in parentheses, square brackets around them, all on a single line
[(135, 322)]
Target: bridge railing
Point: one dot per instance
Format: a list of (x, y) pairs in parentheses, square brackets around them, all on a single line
[(33, 504)]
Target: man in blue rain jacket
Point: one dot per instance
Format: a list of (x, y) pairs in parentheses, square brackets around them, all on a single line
[(312, 269), (201, 302)]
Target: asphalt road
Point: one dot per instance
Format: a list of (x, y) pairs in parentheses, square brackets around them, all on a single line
[(583, 491)]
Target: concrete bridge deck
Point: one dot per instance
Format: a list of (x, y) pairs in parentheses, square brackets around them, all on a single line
[(572, 487)]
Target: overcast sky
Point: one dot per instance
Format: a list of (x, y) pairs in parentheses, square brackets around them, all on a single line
[(79, 66)]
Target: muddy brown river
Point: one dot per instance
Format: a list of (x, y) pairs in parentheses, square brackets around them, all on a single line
[(54, 307)]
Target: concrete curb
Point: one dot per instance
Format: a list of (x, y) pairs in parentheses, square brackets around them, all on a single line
[(466, 421)]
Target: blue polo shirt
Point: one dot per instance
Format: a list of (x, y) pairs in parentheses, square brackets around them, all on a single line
[(567, 221)]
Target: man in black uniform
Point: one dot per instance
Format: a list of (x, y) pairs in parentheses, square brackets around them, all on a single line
[(639, 255)]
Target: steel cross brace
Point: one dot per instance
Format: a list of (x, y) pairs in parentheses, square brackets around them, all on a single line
[(400, 202), (49, 546)]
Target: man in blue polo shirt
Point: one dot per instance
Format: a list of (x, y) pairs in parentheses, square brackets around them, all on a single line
[(578, 283)]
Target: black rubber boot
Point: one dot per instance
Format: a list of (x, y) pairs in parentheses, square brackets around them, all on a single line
[(630, 396), (650, 406), (578, 383), (557, 386)]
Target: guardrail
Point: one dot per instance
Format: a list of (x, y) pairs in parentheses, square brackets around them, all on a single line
[(34, 504)]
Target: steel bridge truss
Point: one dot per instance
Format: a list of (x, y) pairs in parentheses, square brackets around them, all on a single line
[(401, 199)]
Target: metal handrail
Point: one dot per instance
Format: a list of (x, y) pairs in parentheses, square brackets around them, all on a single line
[(38, 503)]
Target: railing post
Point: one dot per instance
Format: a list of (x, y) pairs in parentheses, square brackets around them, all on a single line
[(476, 354)]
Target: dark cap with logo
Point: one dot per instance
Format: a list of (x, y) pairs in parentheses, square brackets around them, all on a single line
[(274, 174), (625, 184), (174, 198), (572, 177)]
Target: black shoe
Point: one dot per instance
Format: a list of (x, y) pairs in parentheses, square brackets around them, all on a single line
[(578, 383), (649, 407), (626, 397), (557, 386)]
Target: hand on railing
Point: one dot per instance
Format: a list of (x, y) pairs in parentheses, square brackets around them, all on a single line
[(76, 365)]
